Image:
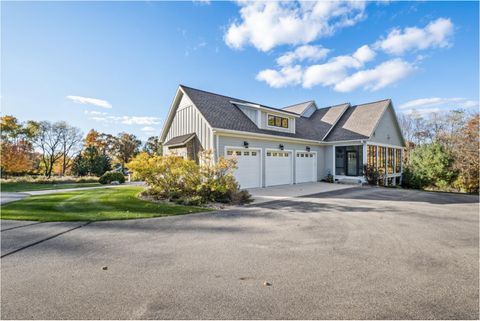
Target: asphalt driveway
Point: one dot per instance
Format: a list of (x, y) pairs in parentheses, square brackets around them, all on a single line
[(359, 253)]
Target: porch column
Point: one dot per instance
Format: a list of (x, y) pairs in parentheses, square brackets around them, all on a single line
[(401, 165), (394, 180), (364, 154), (333, 162), (385, 183)]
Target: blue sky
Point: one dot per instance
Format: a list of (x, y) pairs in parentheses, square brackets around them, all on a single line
[(115, 66)]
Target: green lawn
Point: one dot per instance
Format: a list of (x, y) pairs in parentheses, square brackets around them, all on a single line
[(90, 205), (24, 187)]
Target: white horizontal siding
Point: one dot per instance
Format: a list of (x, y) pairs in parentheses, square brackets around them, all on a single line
[(188, 120)]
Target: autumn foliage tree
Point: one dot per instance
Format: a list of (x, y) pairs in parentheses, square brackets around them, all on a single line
[(467, 156), (440, 147), (16, 149)]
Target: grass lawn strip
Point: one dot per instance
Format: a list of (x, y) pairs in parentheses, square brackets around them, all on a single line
[(91, 205), (27, 187)]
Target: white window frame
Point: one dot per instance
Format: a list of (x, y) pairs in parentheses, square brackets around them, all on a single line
[(289, 128)]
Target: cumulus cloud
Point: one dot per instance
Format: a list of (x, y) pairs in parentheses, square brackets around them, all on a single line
[(336, 69), (267, 24), (305, 52), (364, 54), (385, 74), (436, 34), (280, 78), (437, 102), (90, 101)]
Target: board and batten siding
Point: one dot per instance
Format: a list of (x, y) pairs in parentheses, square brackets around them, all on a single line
[(188, 120)]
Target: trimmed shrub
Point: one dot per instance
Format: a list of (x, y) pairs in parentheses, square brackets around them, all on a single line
[(183, 181), (109, 177), (190, 200), (372, 175)]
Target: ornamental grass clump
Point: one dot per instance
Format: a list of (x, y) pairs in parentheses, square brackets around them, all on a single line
[(186, 182)]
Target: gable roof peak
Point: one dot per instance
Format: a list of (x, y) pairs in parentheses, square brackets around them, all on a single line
[(375, 102)]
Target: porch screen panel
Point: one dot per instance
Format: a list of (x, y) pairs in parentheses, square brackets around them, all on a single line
[(398, 160), (382, 151), (372, 156), (340, 161), (391, 152)]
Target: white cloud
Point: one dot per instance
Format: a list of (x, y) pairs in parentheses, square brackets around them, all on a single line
[(435, 35), (128, 120), (148, 129), (426, 103), (305, 52), (267, 24), (385, 74), (90, 101), (336, 69), (364, 54), (330, 73), (284, 77)]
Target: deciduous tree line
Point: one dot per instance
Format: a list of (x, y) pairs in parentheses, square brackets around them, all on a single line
[(442, 151), (58, 148)]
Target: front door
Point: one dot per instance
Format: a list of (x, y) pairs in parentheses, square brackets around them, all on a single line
[(352, 163)]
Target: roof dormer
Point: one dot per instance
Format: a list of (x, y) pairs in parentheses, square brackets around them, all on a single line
[(268, 118)]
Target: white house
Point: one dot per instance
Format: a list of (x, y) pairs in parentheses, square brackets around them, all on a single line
[(294, 144)]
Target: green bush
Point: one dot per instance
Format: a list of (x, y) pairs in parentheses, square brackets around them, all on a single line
[(184, 181), (190, 200), (372, 175), (109, 177), (429, 166)]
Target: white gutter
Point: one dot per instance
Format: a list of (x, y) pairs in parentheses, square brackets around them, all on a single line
[(271, 110), (230, 132)]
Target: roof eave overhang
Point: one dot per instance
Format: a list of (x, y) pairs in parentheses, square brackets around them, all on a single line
[(192, 136), (230, 132), (270, 110), (171, 114)]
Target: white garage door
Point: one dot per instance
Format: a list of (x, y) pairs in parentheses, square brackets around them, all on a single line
[(305, 167), (248, 163), (278, 168)]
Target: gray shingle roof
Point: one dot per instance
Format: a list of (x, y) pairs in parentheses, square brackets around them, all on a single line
[(334, 112), (179, 140), (358, 122), (221, 113), (298, 108)]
